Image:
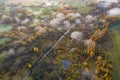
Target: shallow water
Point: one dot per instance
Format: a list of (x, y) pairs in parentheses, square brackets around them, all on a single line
[(65, 64), (5, 27)]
